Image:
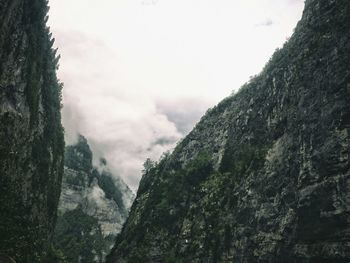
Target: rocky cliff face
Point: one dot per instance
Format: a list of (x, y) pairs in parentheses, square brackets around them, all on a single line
[(93, 206), (264, 176), (31, 135)]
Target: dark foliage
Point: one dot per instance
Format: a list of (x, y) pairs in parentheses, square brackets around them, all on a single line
[(274, 185), (79, 237), (31, 134)]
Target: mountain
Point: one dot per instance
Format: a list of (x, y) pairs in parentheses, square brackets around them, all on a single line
[(31, 134), (93, 206), (264, 176)]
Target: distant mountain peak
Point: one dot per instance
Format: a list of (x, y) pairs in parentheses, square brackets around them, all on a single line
[(91, 200)]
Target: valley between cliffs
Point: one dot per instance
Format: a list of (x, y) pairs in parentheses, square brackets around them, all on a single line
[(263, 177)]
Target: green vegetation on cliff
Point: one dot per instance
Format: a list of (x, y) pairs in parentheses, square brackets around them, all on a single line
[(79, 237), (31, 134), (265, 175), (93, 206)]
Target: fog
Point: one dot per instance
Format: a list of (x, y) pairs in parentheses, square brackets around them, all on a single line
[(138, 74)]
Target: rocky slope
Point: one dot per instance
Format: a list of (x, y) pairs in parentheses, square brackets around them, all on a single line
[(31, 135), (264, 176), (93, 206)]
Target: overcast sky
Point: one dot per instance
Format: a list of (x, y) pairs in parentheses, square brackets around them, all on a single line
[(139, 74)]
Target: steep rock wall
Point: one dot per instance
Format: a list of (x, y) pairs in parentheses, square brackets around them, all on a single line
[(94, 205), (265, 175), (31, 135)]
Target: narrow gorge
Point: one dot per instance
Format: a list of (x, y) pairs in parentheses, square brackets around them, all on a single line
[(264, 176)]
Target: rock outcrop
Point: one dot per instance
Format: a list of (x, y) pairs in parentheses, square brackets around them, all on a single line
[(265, 175), (93, 206), (31, 135)]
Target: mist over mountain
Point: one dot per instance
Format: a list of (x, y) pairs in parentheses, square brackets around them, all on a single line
[(94, 204), (138, 78), (265, 175)]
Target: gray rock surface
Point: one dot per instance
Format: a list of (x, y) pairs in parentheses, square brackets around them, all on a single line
[(31, 135), (99, 195), (265, 175)]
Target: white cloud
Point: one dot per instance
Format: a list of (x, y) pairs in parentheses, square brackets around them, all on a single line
[(267, 22), (139, 73)]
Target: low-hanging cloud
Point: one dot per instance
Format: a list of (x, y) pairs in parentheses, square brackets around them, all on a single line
[(125, 128), (266, 22), (137, 77), (183, 112)]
